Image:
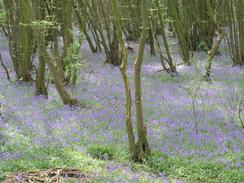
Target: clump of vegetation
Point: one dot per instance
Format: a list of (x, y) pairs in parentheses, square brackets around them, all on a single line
[(2, 14), (101, 152), (164, 114), (201, 170), (73, 63), (203, 46)]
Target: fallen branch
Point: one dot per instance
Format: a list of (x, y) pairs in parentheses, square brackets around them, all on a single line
[(50, 175), (168, 69)]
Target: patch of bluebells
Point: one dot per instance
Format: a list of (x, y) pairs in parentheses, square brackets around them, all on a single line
[(167, 109), (128, 175)]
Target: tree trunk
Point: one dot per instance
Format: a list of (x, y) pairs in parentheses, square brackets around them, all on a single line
[(13, 34), (26, 41), (39, 14), (66, 98), (142, 149), (211, 55), (180, 32), (123, 65)]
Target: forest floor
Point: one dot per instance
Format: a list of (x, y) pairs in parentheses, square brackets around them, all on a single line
[(38, 133)]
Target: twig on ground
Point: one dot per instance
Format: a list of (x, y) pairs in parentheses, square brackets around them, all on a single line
[(168, 69)]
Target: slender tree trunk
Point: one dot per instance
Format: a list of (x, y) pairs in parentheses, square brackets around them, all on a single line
[(123, 65), (13, 33), (142, 149), (39, 14), (215, 46), (180, 31), (170, 60), (66, 98), (211, 55), (240, 17), (41, 88), (83, 28)]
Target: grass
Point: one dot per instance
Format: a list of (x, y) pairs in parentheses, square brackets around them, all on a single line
[(36, 158), (101, 152), (96, 159), (110, 162), (194, 171)]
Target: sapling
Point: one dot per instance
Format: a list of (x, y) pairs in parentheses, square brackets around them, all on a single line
[(1, 114), (234, 105), (193, 91), (2, 120), (1, 110)]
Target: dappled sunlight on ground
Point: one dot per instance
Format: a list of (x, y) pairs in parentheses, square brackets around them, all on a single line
[(167, 102)]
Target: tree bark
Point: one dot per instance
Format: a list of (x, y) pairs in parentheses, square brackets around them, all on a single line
[(39, 14), (26, 41), (66, 98), (123, 65), (142, 149)]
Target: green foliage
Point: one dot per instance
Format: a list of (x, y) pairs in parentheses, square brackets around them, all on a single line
[(42, 157), (44, 26), (202, 46), (181, 78), (2, 138), (101, 152), (73, 55), (35, 158), (200, 171), (72, 62), (2, 14)]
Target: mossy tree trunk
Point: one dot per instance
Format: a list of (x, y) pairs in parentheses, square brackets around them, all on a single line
[(240, 20), (83, 25), (142, 149), (180, 31), (67, 33), (123, 65), (25, 66), (170, 62), (64, 95), (12, 12), (216, 45), (20, 37), (39, 14)]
